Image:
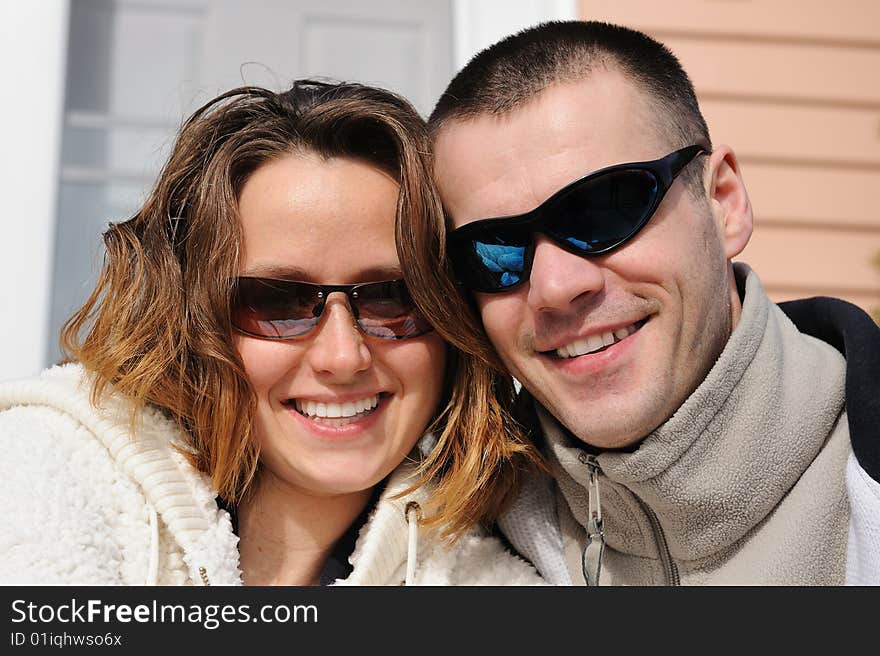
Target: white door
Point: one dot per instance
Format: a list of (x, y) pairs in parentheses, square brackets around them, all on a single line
[(136, 68)]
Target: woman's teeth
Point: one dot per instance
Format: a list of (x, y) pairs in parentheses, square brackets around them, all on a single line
[(337, 414)]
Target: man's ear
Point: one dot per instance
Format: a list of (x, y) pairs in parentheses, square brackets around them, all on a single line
[(729, 200)]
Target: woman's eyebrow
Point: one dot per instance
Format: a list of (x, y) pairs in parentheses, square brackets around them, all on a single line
[(288, 272), (279, 271), (381, 273)]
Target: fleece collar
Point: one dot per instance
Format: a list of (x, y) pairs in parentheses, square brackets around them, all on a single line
[(729, 454)]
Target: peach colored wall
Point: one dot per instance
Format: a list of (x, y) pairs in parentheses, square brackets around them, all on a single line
[(794, 87)]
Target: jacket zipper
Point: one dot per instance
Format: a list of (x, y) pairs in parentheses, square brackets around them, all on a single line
[(670, 569), (594, 549)]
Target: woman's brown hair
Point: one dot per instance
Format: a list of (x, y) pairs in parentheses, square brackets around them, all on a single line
[(157, 326)]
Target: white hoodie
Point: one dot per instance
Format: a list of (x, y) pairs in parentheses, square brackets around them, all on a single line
[(89, 503)]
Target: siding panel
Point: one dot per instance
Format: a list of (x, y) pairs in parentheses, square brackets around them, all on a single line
[(847, 20), (789, 71), (821, 259), (813, 194), (847, 137)]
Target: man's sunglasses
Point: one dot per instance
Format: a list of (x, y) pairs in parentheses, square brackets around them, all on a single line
[(591, 216), (283, 309)]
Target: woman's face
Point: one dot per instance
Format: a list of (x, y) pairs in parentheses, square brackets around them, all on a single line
[(332, 222)]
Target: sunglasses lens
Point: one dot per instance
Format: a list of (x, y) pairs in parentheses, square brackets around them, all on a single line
[(492, 258), (274, 308), (386, 310), (603, 212)]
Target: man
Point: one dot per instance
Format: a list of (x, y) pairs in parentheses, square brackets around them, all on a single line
[(696, 432)]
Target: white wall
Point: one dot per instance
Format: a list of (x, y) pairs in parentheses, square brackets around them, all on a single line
[(33, 45), (480, 23)]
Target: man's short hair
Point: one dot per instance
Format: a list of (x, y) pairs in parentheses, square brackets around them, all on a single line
[(511, 72)]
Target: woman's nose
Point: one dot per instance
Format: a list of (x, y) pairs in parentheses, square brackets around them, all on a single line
[(338, 346)]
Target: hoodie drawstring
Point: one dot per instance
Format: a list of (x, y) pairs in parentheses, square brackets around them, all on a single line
[(153, 565), (413, 514)]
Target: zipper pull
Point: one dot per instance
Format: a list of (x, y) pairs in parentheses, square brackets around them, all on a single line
[(594, 550)]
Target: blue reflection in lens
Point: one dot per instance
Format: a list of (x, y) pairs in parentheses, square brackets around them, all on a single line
[(503, 259), (577, 242), (500, 258), (508, 279)]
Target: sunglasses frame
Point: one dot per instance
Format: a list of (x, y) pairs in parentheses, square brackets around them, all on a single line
[(322, 292), (664, 171)]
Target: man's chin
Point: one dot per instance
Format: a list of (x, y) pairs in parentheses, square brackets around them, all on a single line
[(610, 443), (599, 433)]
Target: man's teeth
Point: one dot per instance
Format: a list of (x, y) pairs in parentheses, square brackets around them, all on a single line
[(350, 410), (595, 343)]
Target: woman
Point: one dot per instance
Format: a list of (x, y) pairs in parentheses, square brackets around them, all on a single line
[(250, 375)]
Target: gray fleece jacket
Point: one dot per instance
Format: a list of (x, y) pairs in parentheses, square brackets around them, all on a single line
[(751, 481)]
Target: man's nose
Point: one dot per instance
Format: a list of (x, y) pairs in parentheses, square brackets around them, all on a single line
[(338, 348), (559, 277)]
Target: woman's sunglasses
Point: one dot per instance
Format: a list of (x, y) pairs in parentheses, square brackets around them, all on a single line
[(591, 216), (282, 309)]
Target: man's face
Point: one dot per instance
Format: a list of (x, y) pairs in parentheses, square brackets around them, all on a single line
[(665, 296)]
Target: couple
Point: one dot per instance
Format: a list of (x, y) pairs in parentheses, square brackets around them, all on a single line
[(294, 367)]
